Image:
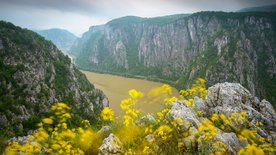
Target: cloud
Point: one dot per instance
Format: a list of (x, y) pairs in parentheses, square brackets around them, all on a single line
[(121, 7), (78, 15), (36, 18)]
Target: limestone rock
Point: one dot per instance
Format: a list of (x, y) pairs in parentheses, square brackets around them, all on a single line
[(111, 146), (105, 130), (227, 97), (180, 110), (150, 138), (232, 142), (146, 120)]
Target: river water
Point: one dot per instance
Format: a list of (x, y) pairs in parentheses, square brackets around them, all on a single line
[(116, 89)]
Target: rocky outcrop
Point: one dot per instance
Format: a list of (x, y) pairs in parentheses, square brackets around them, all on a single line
[(179, 110), (111, 146), (226, 98), (223, 98), (217, 46), (34, 75)]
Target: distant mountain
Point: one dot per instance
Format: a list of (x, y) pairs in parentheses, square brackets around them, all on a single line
[(63, 39), (35, 74), (217, 46), (267, 8)]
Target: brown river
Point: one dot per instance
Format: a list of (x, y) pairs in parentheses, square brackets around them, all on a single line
[(116, 88)]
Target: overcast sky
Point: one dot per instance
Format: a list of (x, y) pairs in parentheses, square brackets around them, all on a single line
[(78, 15)]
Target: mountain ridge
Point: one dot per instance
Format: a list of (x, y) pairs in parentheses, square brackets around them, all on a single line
[(62, 38), (35, 74), (196, 45)]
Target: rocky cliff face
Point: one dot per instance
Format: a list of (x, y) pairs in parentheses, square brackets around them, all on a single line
[(217, 46), (34, 74)]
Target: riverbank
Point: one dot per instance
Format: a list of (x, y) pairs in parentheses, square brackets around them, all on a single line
[(153, 79)]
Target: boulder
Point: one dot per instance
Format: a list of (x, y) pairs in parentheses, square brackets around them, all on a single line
[(111, 146), (227, 98), (180, 110), (105, 130), (146, 120), (232, 142)]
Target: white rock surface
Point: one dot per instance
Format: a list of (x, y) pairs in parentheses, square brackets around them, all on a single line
[(111, 146)]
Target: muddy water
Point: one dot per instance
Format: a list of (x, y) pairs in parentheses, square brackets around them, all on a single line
[(116, 88)]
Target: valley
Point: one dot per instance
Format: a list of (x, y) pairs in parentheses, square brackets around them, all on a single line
[(116, 88), (191, 83)]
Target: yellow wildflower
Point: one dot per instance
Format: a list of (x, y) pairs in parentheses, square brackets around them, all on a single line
[(224, 119), (199, 112), (147, 150), (128, 120), (135, 94), (179, 121), (207, 129), (107, 114), (258, 123), (127, 103), (250, 135), (251, 150), (164, 132), (180, 144), (47, 121), (170, 100), (214, 117)]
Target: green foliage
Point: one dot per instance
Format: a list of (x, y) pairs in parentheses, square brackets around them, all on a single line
[(31, 123), (62, 77), (165, 19), (124, 21), (23, 54)]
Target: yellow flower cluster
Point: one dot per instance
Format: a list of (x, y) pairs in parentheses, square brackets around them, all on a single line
[(170, 100), (162, 94), (197, 89), (235, 122), (135, 94), (163, 134), (219, 148), (55, 136), (251, 150), (238, 123), (164, 89), (28, 148), (128, 105), (207, 129), (147, 150), (107, 114), (47, 121)]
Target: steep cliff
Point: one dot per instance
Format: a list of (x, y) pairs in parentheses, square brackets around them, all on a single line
[(217, 46), (34, 75)]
